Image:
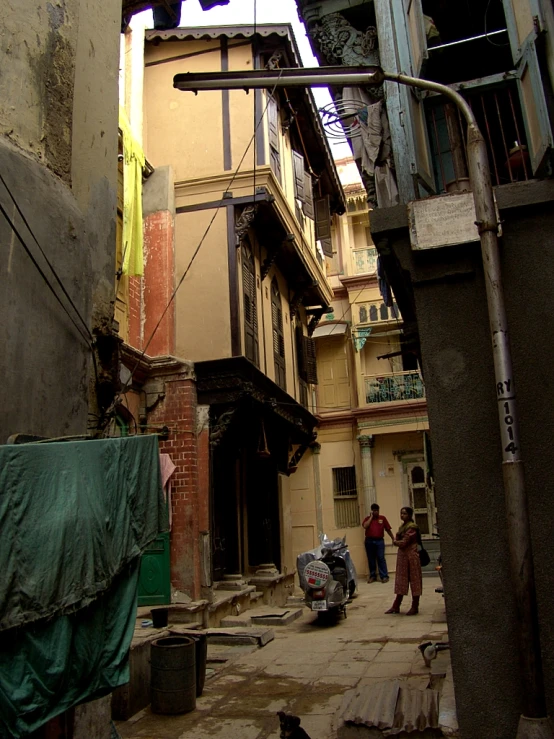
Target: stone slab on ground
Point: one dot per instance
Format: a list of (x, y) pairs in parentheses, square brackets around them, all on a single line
[(266, 616), (231, 635), (276, 618)]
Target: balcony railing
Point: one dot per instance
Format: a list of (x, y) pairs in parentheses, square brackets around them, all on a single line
[(397, 386)]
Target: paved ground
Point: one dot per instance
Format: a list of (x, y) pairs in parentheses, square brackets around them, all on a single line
[(305, 671)]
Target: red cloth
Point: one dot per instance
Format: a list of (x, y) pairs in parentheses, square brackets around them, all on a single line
[(377, 527), (408, 565)]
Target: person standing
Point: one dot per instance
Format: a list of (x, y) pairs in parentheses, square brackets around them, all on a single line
[(375, 526), (408, 565)]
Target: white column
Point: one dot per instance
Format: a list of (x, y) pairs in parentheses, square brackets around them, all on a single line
[(366, 445)]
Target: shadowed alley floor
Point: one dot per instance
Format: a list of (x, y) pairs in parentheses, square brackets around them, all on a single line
[(306, 670)]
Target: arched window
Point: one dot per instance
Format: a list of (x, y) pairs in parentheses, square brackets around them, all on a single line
[(373, 315), (384, 312), (250, 306), (278, 335), (363, 314)]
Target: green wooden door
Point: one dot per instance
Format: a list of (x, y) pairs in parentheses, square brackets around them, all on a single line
[(154, 580)]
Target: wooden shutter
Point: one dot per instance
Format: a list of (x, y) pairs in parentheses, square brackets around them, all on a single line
[(322, 212), (308, 196), (273, 122), (250, 307), (278, 335), (311, 363), (417, 38), (407, 113), (534, 108), (300, 356), (298, 168), (273, 135), (524, 18)]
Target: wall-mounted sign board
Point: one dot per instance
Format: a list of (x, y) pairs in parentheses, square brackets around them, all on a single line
[(445, 220)]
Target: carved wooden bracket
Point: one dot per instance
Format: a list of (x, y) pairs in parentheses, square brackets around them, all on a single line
[(244, 222)]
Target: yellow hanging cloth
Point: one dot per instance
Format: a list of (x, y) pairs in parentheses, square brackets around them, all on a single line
[(133, 162)]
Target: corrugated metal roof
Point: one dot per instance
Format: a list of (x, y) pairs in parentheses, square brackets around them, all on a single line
[(392, 707)]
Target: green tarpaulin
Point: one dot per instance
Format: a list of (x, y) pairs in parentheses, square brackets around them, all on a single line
[(74, 518)]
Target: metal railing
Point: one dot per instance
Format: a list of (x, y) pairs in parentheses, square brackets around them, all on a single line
[(391, 387)]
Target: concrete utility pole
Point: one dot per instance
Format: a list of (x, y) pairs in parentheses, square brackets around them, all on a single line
[(534, 722)]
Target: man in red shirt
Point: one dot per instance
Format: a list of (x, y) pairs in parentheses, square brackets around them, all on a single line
[(375, 526)]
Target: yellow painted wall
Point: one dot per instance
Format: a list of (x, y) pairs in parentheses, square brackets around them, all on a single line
[(202, 304), (288, 558), (181, 128), (303, 507), (339, 448), (241, 112)]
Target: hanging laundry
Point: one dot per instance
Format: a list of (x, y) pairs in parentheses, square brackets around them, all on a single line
[(373, 148), (75, 518), (133, 163)]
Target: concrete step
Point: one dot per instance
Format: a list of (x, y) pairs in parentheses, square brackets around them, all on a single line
[(295, 600), (255, 596), (242, 620)]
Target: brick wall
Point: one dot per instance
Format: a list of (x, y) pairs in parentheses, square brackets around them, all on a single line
[(189, 502)]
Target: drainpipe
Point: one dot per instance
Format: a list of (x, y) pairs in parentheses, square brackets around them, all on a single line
[(534, 723)]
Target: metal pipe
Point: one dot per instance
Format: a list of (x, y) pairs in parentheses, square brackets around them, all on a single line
[(534, 723)]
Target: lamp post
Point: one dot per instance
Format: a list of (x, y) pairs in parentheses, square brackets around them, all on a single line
[(534, 723)]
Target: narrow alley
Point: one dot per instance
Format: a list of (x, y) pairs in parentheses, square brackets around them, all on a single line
[(308, 670)]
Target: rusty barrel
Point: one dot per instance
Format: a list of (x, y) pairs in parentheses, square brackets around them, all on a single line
[(201, 659), (173, 675)]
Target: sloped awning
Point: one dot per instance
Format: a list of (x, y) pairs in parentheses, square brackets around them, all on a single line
[(329, 329)]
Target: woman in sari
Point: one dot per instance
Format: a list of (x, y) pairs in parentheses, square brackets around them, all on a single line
[(408, 565)]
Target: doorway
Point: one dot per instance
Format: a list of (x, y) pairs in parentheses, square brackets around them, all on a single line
[(421, 496)]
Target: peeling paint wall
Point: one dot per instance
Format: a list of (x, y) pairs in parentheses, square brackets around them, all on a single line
[(58, 156)]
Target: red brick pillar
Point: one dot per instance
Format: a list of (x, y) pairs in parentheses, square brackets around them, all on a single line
[(177, 411), (158, 283)]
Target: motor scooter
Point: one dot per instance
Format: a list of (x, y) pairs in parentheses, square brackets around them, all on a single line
[(324, 577)]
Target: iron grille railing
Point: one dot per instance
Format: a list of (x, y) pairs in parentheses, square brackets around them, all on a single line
[(397, 386), (498, 114)]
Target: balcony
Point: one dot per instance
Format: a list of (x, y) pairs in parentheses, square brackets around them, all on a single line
[(392, 387)]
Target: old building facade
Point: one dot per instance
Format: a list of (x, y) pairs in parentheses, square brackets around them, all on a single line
[(237, 217), (372, 444)]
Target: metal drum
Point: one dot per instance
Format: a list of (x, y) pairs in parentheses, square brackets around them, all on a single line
[(173, 675), (201, 659)]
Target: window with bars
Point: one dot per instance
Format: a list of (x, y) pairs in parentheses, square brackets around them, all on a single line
[(251, 350), (278, 335), (345, 494)]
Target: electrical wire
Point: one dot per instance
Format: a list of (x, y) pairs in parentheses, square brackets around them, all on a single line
[(486, 32), (44, 277), (58, 280)]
